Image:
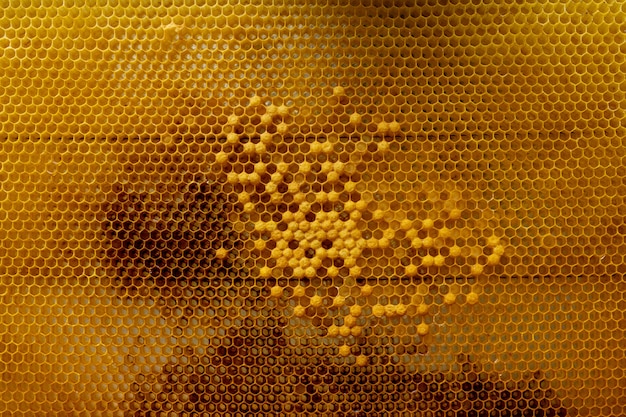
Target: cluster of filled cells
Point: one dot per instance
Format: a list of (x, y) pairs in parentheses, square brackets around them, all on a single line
[(312, 211), (339, 232)]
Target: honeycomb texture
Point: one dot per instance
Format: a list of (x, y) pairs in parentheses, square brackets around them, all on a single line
[(337, 208)]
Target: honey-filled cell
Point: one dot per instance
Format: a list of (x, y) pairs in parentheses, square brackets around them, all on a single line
[(355, 208)]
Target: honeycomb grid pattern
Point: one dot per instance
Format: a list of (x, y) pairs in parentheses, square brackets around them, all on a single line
[(360, 208)]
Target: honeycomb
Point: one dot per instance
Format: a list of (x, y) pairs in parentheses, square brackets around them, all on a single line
[(321, 208)]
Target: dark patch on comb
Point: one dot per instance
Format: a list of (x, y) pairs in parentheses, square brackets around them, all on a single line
[(261, 376), (162, 239)]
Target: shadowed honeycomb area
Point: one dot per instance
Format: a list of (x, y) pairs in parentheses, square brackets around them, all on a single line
[(211, 383), (337, 208), (170, 244)]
